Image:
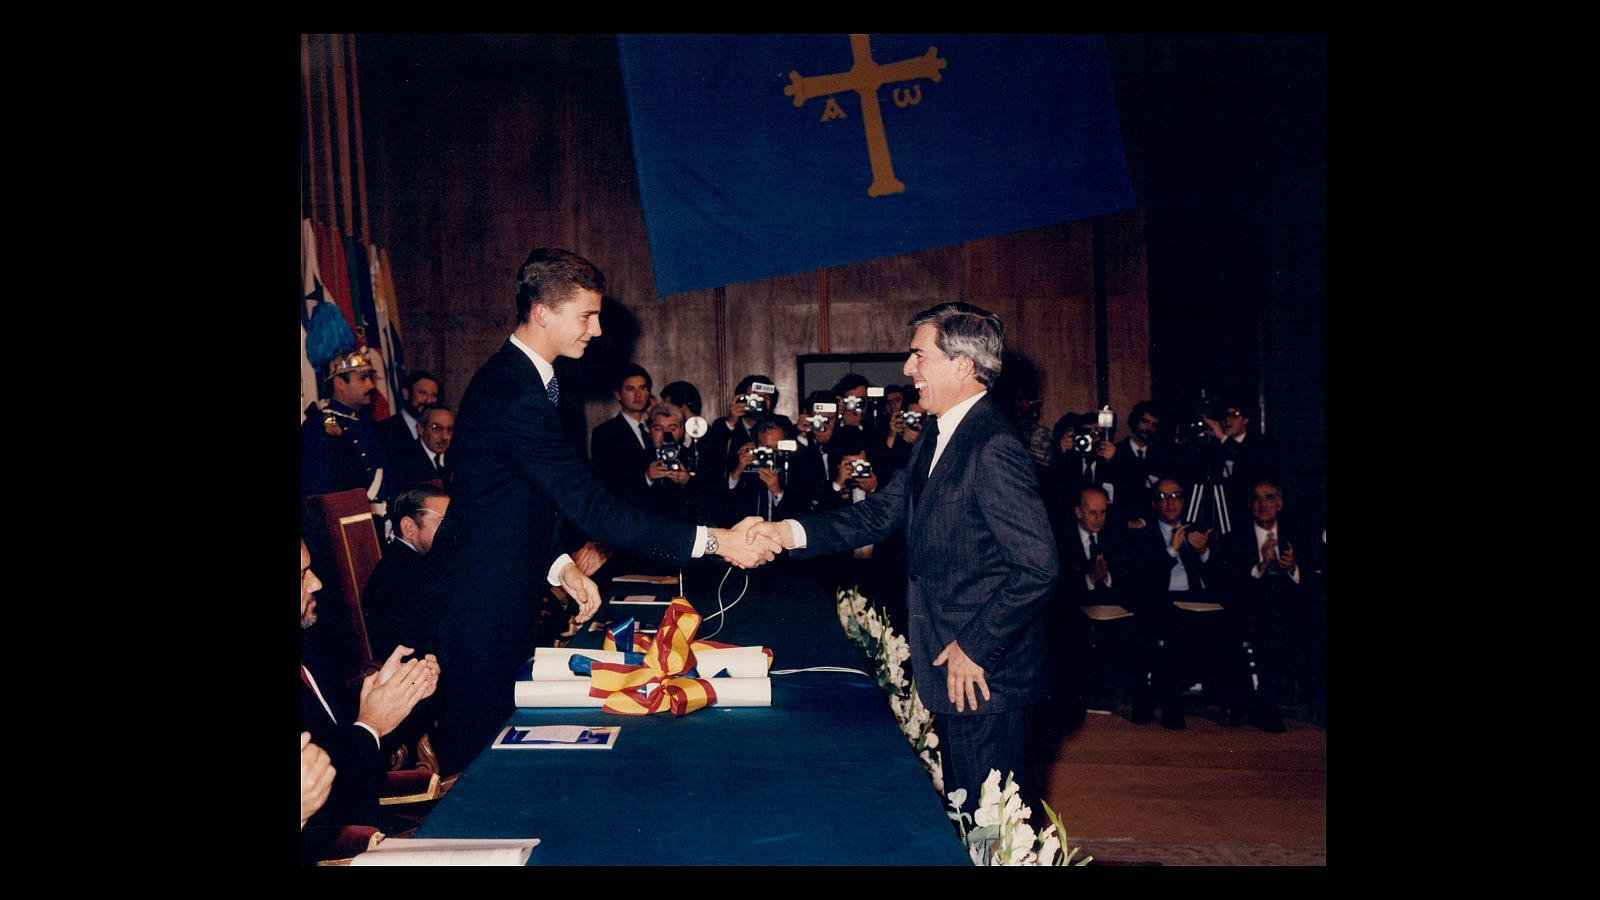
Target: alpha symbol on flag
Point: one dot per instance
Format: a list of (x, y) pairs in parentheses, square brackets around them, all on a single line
[(865, 77)]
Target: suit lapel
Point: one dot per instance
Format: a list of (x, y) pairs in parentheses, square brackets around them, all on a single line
[(525, 369), (942, 475)]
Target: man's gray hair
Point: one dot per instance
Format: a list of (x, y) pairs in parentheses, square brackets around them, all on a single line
[(664, 408), (961, 329)]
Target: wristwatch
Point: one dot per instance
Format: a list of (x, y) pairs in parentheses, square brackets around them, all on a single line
[(711, 543)]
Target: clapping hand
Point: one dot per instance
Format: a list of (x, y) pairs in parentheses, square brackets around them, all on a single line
[(389, 694), (316, 777), (1286, 557)]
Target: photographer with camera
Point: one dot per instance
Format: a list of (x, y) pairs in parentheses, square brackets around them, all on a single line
[(755, 398), (1223, 456), (672, 488), (764, 482), (903, 426), (855, 477), (1082, 460), (858, 409)]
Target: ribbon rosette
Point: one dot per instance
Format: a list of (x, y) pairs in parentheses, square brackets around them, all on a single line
[(665, 678)]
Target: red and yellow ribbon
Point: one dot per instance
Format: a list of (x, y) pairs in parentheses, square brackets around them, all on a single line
[(659, 684)]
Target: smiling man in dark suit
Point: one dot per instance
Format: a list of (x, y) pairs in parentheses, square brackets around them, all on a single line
[(517, 480), (981, 558)]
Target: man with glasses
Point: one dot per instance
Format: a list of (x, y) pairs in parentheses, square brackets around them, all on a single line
[(423, 460), (1234, 457), (1179, 574), (420, 391)]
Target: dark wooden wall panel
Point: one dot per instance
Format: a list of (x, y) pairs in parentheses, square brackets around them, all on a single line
[(488, 147)]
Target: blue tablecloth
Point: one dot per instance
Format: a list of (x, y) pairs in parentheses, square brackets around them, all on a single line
[(822, 777)]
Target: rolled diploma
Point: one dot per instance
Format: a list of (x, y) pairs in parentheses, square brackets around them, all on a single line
[(575, 693), (551, 663)]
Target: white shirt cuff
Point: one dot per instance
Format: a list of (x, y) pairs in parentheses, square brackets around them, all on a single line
[(554, 575)]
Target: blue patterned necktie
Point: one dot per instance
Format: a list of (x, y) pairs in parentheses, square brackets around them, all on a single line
[(554, 390)]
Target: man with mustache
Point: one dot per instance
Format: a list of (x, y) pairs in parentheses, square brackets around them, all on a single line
[(339, 446)]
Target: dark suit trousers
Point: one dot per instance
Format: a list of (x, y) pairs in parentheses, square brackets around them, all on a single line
[(972, 745)]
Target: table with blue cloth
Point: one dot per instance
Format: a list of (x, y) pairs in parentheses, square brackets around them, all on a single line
[(823, 776)]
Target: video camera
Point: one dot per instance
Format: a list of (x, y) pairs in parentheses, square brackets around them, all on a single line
[(1194, 431)]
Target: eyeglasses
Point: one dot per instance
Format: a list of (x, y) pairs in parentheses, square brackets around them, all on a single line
[(1175, 495), (425, 510), (434, 426)]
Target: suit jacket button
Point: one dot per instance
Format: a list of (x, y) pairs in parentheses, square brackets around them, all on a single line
[(914, 576)]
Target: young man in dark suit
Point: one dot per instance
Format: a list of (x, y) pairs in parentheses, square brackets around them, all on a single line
[(517, 479), (620, 447), (981, 559)]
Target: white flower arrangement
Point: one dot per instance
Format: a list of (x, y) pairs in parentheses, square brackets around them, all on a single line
[(1002, 835), (871, 631)]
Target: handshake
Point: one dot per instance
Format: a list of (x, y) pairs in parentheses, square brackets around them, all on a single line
[(752, 542)]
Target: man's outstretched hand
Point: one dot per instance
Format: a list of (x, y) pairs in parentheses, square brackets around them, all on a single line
[(746, 550)]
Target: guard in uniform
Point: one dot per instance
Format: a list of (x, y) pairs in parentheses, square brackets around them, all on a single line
[(339, 446)]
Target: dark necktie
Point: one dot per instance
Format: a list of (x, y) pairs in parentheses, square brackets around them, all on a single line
[(644, 433), (438, 462), (553, 389), (925, 461), (1094, 552)]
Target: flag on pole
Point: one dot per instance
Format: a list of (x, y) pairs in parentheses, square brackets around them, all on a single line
[(763, 155), (388, 319), (324, 331), (335, 270)]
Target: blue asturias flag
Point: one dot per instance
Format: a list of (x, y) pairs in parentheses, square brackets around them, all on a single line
[(764, 155)]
